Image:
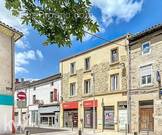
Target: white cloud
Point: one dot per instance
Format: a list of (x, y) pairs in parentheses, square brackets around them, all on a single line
[(24, 58), (116, 10), (39, 54), (101, 29), (7, 18)]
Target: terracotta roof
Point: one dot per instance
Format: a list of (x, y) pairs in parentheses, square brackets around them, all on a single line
[(145, 32), (10, 30)]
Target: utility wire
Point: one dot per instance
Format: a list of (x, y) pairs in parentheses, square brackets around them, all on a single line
[(97, 36)]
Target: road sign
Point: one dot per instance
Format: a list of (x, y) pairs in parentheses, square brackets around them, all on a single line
[(21, 95)]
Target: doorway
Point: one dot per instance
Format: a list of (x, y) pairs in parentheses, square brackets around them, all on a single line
[(146, 120)]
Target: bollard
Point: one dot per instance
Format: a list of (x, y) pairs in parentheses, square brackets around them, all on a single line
[(27, 132), (80, 132)]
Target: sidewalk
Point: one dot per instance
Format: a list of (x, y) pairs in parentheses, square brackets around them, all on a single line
[(85, 132)]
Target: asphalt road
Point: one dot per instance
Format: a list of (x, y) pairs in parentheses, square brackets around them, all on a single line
[(35, 130)]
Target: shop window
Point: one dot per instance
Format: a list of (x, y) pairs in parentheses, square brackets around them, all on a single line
[(88, 118), (72, 89), (87, 86), (109, 117), (114, 55), (87, 63), (114, 82), (44, 120)]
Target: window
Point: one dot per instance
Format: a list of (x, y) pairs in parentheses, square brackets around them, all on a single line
[(87, 86), (88, 118), (55, 98), (34, 88), (72, 89), (109, 117), (114, 55), (87, 64), (146, 75), (114, 82), (51, 96), (52, 83), (72, 68), (34, 99), (146, 48)]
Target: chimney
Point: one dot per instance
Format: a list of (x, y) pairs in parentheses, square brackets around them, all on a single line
[(17, 80), (22, 80)]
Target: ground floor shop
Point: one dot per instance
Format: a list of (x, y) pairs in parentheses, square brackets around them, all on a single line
[(33, 116), (107, 112), (49, 116)]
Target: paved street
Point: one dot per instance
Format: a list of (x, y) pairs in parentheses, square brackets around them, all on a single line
[(43, 131)]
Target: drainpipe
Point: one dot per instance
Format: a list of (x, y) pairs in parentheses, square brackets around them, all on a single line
[(128, 90), (12, 78)]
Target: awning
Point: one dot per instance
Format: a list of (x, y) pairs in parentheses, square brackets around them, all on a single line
[(70, 105), (90, 103), (49, 109)]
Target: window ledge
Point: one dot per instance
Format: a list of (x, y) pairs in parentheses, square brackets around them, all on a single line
[(114, 63), (147, 85), (73, 74), (86, 71), (72, 96)]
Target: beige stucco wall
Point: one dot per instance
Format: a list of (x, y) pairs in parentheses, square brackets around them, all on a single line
[(101, 66), (5, 63)]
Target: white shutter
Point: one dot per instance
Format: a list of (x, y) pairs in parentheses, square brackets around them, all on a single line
[(146, 70)]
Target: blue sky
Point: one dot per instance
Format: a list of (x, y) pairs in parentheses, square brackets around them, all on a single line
[(118, 17)]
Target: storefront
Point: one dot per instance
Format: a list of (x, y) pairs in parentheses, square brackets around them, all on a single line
[(49, 115), (33, 116), (108, 116), (122, 110), (70, 114), (88, 113)]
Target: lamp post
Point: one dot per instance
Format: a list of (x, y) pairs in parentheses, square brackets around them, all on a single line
[(94, 108)]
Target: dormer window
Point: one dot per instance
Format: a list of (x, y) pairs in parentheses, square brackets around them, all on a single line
[(146, 48)]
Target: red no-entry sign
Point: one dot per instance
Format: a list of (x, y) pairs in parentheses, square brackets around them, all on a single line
[(21, 95)]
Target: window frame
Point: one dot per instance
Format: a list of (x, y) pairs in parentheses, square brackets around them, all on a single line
[(51, 96), (75, 93), (89, 91), (111, 57), (110, 109), (147, 84), (85, 64), (74, 72), (117, 87), (142, 48)]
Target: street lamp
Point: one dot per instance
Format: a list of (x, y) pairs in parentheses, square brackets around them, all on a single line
[(94, 108)]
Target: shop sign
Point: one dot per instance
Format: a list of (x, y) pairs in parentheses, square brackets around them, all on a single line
[(70, 105), (90, 103)]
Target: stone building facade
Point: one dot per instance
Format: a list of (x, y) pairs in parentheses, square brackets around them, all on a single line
[(145, 71), (8, 37), (96, 81)]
